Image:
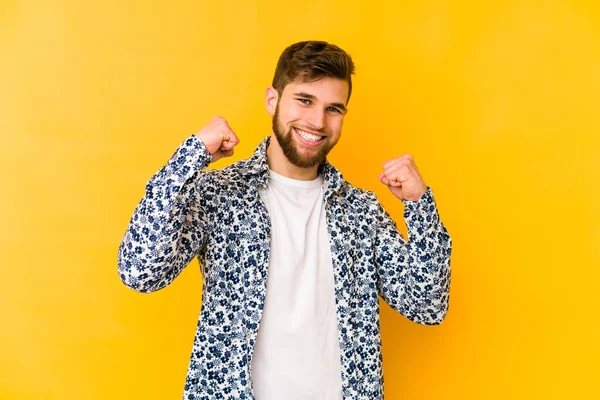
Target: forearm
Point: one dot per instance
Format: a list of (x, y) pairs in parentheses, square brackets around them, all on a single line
[(168, 226), (415, 275)]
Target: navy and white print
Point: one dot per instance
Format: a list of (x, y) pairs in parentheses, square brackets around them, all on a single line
[(218, 217)]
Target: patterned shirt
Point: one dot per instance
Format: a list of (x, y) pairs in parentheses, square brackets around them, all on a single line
[(218, 217)]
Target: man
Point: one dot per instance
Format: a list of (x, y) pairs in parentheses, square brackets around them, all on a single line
[(293, 257)]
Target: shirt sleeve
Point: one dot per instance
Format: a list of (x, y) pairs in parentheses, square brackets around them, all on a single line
[(414, 275), (169, 226)]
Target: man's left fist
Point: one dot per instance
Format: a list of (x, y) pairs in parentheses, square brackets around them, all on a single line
[(403, 179)]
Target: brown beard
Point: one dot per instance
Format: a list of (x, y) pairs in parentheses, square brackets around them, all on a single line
[(287, 144)]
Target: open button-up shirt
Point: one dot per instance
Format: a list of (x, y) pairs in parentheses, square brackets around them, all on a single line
[(218, 217)]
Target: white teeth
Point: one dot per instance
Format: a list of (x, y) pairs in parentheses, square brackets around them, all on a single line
[(308, 136)]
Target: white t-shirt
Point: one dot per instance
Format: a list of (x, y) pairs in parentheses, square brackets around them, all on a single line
[(296, 354)]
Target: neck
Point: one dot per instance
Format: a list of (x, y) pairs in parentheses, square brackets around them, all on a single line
[(279, 163)]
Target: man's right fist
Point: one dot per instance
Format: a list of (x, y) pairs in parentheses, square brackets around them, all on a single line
[(218, 138)]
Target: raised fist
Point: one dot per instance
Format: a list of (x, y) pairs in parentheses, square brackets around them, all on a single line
[(218, 138), (403, 179)]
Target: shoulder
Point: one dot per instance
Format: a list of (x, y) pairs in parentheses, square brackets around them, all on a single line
[(227, 179), (358, 198)]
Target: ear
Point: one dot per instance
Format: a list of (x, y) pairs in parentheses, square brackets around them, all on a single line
[(271, 98)]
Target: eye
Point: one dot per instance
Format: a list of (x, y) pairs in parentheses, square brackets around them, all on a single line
[(304, 101), (334, 110)]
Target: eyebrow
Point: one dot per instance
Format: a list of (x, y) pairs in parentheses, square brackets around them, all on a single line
[(309, 96)]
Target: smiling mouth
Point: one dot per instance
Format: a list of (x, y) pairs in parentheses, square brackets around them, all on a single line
[(309, 137)]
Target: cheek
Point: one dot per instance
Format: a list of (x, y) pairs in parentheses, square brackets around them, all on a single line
[(289, 109), (294, 114), (335, 125)]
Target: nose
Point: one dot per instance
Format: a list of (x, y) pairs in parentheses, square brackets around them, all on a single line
[(317, 119)]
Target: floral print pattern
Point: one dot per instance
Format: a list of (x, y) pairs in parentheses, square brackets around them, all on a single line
[(218, 216)]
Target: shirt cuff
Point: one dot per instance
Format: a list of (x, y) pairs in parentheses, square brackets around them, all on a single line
[(190, 158), (186, 164), (422, 214)]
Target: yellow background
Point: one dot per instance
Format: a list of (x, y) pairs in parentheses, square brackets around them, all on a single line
[(497, 102)]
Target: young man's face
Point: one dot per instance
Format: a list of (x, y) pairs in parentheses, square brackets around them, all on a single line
[(308, 118)]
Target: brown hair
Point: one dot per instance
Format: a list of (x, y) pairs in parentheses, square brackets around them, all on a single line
[(311, 61)]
